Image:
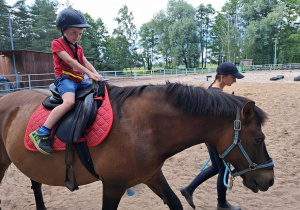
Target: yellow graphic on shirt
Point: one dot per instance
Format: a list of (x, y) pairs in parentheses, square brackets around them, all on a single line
[(73, 75)]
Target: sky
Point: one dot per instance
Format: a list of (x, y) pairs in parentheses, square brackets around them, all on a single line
[(143, 10)]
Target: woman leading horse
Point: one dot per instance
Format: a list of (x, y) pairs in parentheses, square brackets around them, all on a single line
[(151, 123)]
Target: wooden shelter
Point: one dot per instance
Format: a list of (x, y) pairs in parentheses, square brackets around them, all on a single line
[(27, 62), (246, 62), (33, 68)]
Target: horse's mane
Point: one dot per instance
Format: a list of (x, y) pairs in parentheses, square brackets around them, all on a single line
[(190, 99)]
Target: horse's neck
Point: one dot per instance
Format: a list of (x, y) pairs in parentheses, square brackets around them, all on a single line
[(190, 130), (169, 130)]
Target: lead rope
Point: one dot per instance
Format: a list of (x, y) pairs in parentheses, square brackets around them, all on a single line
[(231, 177), (225, 175), (203, 167)]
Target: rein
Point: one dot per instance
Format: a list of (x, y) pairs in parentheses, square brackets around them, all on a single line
[(237, 141)]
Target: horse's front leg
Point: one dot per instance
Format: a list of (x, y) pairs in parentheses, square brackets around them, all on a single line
[(112, 194), (37, 190), (159, 185)]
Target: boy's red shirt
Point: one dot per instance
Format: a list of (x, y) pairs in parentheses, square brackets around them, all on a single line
[(60, 66)]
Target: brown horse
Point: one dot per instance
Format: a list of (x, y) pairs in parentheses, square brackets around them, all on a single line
[(151, 123)]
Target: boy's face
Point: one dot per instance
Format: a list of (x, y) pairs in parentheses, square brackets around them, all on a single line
[(73, 34)]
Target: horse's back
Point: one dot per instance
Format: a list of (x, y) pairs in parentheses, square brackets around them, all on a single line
[(20, 106), (15, 112)]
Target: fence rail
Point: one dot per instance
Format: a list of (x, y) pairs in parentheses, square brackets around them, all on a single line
[(29, 81), (149, 74), (25, 81)]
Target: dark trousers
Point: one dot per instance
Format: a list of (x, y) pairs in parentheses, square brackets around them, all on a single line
[(216, 167)]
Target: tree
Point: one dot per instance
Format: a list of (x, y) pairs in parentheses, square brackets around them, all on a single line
[(227, 34), (203, 15), (288, 30), (180, 34), (183, 32), (148, 41), (232, 31), (126, 36), (94, 39), (258, 42), (184, 38), (294, 49), (110, 55), (218, 37), (21, 25), (161, 25), (176, 31), (43, 24), (5, 43)]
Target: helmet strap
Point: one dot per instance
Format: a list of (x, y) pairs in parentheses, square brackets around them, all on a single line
[(70, 45)]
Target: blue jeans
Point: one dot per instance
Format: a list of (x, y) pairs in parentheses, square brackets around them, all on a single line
[(65, 85)]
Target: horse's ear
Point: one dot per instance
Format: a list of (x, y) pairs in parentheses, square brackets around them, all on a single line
[(248, 110)]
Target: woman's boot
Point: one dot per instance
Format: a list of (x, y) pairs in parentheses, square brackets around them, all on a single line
[(187, 192)]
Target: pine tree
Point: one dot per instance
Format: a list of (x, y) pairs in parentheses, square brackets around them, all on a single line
[(43, 24), (21, 25), (5, 43)]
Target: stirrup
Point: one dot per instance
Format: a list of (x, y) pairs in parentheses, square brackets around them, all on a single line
[(71, 186)]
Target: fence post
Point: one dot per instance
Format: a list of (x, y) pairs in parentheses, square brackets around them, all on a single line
[(115, 75), (29, 81), (135, 75)]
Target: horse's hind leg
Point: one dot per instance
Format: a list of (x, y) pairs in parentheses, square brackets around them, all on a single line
[(4, 161), (3, 168), (112, 194), (37, 190), (159, 185)]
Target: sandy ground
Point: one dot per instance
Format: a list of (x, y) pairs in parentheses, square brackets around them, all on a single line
[(280, 99)]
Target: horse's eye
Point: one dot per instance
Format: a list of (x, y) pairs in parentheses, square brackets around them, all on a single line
[(260, 140)]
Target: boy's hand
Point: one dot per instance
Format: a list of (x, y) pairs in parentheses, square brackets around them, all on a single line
[(95, 77)]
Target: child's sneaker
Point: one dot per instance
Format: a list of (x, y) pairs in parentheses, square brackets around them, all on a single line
[(41, 142)]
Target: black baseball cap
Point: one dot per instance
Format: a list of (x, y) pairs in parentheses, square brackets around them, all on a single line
[(226, 68)]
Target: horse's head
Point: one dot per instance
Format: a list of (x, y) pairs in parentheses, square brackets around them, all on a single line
[(248, 153)]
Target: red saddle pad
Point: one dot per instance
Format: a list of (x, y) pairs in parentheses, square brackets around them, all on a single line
[(94, 135)]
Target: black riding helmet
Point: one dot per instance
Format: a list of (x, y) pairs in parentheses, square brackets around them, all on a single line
[(71, 18)]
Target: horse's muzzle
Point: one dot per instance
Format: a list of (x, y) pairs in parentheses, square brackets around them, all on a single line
[(259, 181)]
